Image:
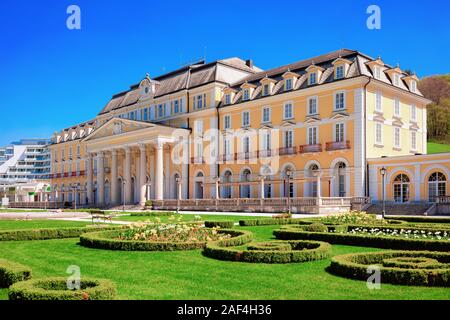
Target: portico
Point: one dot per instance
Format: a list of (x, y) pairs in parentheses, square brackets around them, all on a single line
[(130, 156)]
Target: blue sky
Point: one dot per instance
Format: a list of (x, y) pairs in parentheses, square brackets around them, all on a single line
[(52, 77)]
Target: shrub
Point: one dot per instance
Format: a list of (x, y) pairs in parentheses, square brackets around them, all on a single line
[(56, 289), (49, 233), (353, 217), (300, 251), (270, 246), (414, 263), (363, 240), (316, 227), (219, 224), (271, 221), (154, 214), (12, 272), (421, 219), (282, 216), (109, 240), (149, 203), (355, 266)]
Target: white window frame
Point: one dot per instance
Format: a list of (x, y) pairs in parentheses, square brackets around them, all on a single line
[(377, 72), (269, 115), (413, 86), (246, 143), (246, 95), (310, 130), (288, 135), (380, 140), (378, 106), (244, 124), (396, 79), (312, 75), (286, 86), (339, 75), (413, 113), (397, 137), (316, 98), (266, 86), (343, 92), (288, 103), (228, 98), (176, 106), (397, 107), (413, 140), (342, 131), (227, 118), (198, 127)]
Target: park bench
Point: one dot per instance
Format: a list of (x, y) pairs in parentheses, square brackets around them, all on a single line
[(98, 215)]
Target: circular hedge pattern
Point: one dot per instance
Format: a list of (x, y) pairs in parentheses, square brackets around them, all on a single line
[(300, 251), (55, 288), (108, 240), (419, 268)]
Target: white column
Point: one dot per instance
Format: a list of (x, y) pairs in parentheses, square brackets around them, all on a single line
[(319, 187), (143, 175), (159, 171), (185, 168), (217, 188), (101, 178), (90, 180), (127, 175), (262, 188), (114, 180), (179, 190)]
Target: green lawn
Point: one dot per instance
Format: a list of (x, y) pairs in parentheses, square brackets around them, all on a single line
[(187, 217), (437, 147), (189, 275), (34, 224)]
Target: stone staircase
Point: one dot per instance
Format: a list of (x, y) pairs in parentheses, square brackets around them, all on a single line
[(400, 209)]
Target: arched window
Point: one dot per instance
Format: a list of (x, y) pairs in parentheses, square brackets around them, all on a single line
[(313, 169), (199, 186), (287, 175), (401, 188), (436, 186), (226, 191), (245, 191), (340, 166), (176, 181)]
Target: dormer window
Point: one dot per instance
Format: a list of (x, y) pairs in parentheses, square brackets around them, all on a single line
[(413, 86), (339, 72), (228, 98), (312, 78), (396, 80), (266, 90), (377, 72), (288, 84), (246, 95)]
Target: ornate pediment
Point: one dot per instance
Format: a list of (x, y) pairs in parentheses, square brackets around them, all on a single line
[(339, 115), (117, 126)]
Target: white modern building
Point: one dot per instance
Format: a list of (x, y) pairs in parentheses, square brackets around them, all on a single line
[(24, 170)]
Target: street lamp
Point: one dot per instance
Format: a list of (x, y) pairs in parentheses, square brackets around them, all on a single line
[(383, 174), (123, 194), (45, 189), (74, 188), (178, 181), (289, 173)]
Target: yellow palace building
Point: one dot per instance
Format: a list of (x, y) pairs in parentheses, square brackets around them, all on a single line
[(226, 135)]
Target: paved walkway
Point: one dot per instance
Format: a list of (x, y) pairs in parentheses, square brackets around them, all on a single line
[(41, 215)]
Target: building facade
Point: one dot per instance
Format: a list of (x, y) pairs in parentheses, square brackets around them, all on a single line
[(24, 169), (317, 128)]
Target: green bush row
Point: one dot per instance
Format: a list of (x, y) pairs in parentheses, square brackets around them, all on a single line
[(364, 240), (422, 219), (55, 288), (301, 251), (12, 272), (271, 221), (107, 240), (220, 224), (356, 266), (270, 246), (414, 263), (153, 214), (48, 233)]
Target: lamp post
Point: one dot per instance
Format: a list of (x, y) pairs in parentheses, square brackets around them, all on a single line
[(74, 188), (383, 174), (178, 181), (45, 189), (123, 194), (289, 174)]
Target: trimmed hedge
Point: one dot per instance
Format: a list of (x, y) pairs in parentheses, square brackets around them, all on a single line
[(49, 233), (421, 219), (414, 263), (270, 246), (301, 251), (355, 266), (271, 221), (363, 240), (220, 224), (153, 214), (12, 272), (316, 227), (106, 240), (55, 288)]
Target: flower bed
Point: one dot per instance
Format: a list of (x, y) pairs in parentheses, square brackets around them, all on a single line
[(407, 233), (270, 252), (420, 268), (153, 214), (49, 233), (12, 272), (163, 237), (56, 289), (341, 235)]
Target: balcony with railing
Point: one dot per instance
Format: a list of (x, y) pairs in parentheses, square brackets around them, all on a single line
[(246, 155), (197, 160), (337, 145), (227, 157), (266, 153), (287, 151), (310, 148)]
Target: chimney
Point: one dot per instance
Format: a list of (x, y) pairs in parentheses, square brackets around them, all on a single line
[(249, 63)]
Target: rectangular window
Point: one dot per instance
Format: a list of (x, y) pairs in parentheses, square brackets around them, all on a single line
[(288, 112), (267, 191), (397, 107), (396, 80), (228, 99), (413, 113), (70, 152), (266, 90), (266, 115), (246, 145), (413, 86), (227, 122), (288, 84), (312, 106), (397, 137), (199, 127), (265, 143), (312, 78), (339, 132), (339, 103), (288, 139), (176, 106), (132, 115), (377, 72), (227, 146), (379, 133), (413, 140), (160, 111), (199, 101), (312, 135), (78, 151), (339, 72), (199, 149), (245, 119), (246, 95), (378, 102)]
